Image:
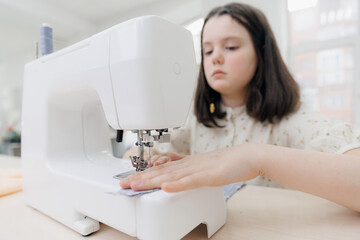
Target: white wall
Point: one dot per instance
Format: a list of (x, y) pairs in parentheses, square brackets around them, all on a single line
[(180, 12)]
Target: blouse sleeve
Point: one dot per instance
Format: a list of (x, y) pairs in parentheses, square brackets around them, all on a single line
[(312, 131)]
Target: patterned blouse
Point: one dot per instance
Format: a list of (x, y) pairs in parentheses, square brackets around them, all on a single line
[(302, 130)]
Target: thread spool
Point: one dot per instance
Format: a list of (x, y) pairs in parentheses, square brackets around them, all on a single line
[(46, 38)]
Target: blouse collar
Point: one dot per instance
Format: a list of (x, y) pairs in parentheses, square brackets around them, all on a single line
[(236, 111)]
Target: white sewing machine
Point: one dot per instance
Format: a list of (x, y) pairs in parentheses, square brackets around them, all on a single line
[(138, 75)]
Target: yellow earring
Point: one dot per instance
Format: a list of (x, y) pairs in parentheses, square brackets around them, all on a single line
[(212, 108)]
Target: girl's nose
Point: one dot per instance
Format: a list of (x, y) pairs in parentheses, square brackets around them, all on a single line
[(218, 59)]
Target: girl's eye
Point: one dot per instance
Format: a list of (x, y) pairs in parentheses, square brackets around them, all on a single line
[(232, 48), (207, 52)]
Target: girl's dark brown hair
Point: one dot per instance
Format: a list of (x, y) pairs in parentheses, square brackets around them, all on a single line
[(272, 93)]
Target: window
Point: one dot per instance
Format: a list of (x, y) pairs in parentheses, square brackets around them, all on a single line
[(323, 41)]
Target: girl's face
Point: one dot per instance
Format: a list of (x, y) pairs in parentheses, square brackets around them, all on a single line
[(229, 57)]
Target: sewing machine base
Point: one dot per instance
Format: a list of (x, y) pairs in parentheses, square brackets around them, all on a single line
[(80, 200)]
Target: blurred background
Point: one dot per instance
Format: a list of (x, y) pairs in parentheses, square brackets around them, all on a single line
[(318, 39)]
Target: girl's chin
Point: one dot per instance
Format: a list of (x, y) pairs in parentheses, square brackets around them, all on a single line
[(220, 87)]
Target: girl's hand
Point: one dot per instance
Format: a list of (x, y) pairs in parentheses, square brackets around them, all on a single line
[(157, 160), (215, 168)]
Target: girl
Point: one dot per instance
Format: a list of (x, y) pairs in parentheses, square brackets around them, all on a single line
[(248, 123)]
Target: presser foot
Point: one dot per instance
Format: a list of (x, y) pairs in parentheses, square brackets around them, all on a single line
[(139, 165)]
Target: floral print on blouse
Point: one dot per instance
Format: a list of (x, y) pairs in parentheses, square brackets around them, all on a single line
[(302, 129)]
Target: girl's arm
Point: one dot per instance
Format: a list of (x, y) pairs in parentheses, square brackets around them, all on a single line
[(335, 177)]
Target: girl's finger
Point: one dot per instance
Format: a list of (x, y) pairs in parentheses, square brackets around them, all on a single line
[(175, 156)]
